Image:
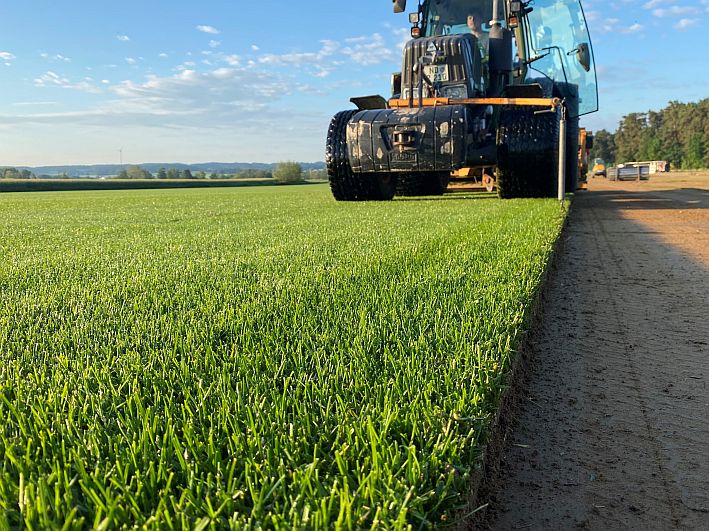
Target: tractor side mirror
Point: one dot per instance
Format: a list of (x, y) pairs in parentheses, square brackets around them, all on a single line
[(583, 55), (399, 6), (396, 85)]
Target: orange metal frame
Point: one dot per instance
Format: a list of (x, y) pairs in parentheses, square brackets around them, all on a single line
[(434, 102)]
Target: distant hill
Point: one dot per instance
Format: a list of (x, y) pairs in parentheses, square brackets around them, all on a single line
[(105, 170)]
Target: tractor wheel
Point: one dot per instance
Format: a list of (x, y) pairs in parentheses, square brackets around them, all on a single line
[(344, 183), (436, 184), (422, 183), (380, 186), (409, 184), (527, 153)]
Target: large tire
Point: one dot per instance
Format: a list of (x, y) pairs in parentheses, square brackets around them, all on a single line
[(422, 183), (437, 183), (344, 183), (527, 153)]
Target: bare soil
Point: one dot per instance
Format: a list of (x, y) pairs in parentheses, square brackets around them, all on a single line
[(610, 426)]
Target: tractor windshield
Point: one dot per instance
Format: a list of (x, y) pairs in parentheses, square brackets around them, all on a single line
[(560, 48), (448, 17)]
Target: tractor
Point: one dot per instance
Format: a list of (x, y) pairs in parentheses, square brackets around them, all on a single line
[(488, 88)]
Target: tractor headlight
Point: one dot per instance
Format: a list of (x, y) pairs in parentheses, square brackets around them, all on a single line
[(456, 92)]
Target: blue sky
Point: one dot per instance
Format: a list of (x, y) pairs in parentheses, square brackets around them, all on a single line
[(218, 80)]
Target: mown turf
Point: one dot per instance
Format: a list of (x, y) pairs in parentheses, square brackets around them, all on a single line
[(254, 357), (70, 185)]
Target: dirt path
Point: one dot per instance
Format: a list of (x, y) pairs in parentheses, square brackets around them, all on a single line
[(612, 427)]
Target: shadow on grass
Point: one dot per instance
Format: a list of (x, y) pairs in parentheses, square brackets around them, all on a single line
[(450, 196), (679, 199)]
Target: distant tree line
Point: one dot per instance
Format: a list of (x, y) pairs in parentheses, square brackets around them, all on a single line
[(678, 133), (284, 172), (137, 172), (14, 173)]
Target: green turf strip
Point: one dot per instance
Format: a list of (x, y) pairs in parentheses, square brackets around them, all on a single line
[(253, 358)]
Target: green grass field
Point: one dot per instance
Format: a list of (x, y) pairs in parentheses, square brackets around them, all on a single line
[(72, 185), (255, 358)]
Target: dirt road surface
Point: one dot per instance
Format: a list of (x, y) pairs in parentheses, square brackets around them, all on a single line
[(611, 425)]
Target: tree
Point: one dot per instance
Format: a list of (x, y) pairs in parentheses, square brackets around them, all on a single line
[(650, 146), (172, 173), (10, 173), (678, 133), (629, 137), (162, 174), (650, 143), (201, 175), (288, 172), (603, 146), (135, 172), (694, 153), (317, 175), (213, 176), (187, 174), (253, 174)]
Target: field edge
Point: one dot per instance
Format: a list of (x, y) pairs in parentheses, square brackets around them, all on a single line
[(485, 477)]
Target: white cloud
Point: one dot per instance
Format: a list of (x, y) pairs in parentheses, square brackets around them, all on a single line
[(223, 73), (208, 29), (686, 23), (301, 58), (402, 36), (652, 4), (123, 38), (675, 11), (632, 29), (34, 103), (55, 57), (368, 50), (255, 48), (233, 60), (7, 56), (52, 79), (219, 93), (131, 60), (163, 55), (605, 25), (214, 44), (321, 71)]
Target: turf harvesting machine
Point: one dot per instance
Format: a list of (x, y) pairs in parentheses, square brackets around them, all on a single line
[(488, 88)]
